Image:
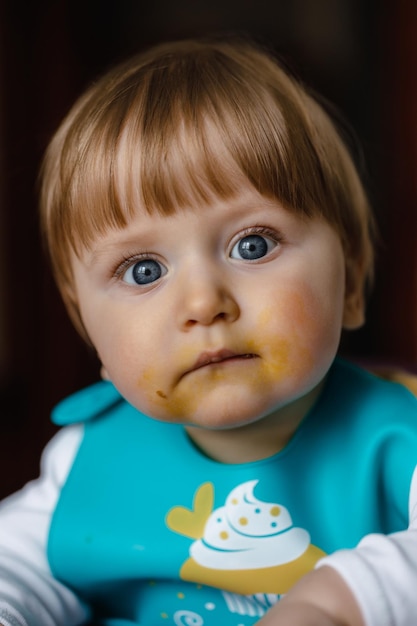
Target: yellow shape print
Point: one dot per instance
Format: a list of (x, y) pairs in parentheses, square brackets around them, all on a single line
[(247, 546), (275, 580), (191, 522)]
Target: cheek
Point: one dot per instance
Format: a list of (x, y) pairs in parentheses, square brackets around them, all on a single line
[(300, 333), (135, 370), (284, 329), (126, 347)]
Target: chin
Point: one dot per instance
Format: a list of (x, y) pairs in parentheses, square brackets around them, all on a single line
[(227, 420)]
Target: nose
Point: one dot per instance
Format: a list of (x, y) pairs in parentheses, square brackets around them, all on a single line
[(206, 298)]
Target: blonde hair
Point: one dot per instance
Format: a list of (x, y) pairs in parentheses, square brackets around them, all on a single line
[(181, 123)]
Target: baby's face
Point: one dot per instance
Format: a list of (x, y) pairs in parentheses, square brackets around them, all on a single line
[(217, 316)]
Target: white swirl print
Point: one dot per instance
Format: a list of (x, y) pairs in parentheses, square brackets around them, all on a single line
[(247, 533), (255, 605), (187, 618)]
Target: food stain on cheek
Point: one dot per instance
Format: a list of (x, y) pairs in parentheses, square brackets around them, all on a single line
[(168, 401), (165, 404), (287, 355), (146, 384), (271, 344), (265, 318), (178, 407)]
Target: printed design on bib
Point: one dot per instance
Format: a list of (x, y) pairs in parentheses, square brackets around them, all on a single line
[(188, 604), (246, 547)]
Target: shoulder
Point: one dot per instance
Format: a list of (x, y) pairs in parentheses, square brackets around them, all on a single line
[(87, 404), (359, 386), (361, 406), (40, 496)]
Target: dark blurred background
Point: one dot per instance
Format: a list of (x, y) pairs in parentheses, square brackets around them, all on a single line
[(361, 54)]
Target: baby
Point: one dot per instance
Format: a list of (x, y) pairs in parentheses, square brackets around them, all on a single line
[(211, 239)]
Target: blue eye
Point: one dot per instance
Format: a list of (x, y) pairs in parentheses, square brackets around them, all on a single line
[(252, 247), (144, 272)]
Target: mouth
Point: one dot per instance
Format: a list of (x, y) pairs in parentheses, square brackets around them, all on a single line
[(206, 359)]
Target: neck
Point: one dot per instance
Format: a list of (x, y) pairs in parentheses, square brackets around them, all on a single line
[(258, 440)]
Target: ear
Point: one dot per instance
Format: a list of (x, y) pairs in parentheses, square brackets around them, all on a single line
[(354, 305)]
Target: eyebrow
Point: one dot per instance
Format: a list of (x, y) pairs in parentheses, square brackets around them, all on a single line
[(95, 254)]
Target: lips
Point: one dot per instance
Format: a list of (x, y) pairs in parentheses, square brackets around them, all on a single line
[(219, 356)]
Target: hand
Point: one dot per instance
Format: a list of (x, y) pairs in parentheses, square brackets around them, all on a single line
[(297, 614), (321, 598)]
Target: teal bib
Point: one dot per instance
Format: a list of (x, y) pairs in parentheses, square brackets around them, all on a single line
[(150, 531)]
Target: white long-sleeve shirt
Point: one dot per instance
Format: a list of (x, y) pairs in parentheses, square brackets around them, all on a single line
[(29, 594)]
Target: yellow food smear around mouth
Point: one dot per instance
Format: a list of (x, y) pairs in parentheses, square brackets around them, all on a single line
[(279, 358), (183, 400)]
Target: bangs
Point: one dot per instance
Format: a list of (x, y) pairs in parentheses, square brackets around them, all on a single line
[(177, 133)]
